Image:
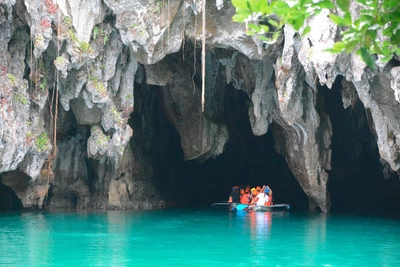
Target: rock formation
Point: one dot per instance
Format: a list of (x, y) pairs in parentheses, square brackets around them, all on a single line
[(101, 60)]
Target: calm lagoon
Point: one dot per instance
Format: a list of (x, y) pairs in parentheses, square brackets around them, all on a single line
[(210, 237)]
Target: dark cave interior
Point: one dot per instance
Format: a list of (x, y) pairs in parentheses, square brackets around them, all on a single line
[(356, 180), (356, 183), (247, 160)]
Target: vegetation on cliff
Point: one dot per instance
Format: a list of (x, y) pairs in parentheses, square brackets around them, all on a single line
[(367, 26)]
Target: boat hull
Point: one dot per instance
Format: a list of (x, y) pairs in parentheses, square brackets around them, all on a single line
[(271, 208)]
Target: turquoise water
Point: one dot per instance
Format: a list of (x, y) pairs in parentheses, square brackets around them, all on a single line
[(197, 238)]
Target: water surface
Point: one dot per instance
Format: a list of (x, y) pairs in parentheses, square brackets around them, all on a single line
[(197, 238)]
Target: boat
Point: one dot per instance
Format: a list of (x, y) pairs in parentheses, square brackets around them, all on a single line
[(237, 206), (275, 207), (221, 204)]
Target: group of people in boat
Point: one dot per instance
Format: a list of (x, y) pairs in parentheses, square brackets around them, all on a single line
[(261, 196)]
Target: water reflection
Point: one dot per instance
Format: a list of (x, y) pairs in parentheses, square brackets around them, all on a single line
[(117, 237), (36, 233), (315, 238), (260, 225)]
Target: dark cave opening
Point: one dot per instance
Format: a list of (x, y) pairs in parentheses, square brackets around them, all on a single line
[(356, 181), (246, 160), (8, 198)]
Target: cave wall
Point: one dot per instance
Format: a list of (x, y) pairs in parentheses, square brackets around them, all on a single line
[(104, 63)]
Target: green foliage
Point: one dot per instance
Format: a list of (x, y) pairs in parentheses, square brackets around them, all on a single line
[(29, 134), (43, 84), (102, 139), (85, 47), (39, 40), (68, 20), (20, 98), (99, 86), (60, 60), (98, 31), (42, 142), (95, 32), (82, 46), (377, 17), (140, 29), (12, 79), (157, 5)]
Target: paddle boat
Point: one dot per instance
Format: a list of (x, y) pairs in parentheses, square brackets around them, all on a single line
[(275, 207), (237, 206)]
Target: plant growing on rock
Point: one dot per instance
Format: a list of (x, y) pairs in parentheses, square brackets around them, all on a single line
[(39, 40), (157, 5), (20, 98), (99, 86), (117, 116), (359, 33), (82, 47), (45, 23), (29, 136), (101, 139), (68, 20), (60, 60), (51, 8), (42, 142), (43, 84), (140, 29), (99, 31), (12, 79)]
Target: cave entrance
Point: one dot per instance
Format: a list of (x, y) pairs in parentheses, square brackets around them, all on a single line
[(8, 198), (356, 181), (246, 160)]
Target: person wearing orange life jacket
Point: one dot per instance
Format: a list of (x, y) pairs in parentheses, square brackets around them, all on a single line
[(244, 197), (270, 199)]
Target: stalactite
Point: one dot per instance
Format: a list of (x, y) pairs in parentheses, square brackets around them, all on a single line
[(203, 56), (194, 53)]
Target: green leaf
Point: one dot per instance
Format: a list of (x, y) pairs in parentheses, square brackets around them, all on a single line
[(95, 32), (343, 4), (377, 48), (280, 8), (337, 20), (239, 4), (347, 18), (253, 27), (273, 23), (265, 28), (254, 5), (366, 57), (385, 51), (240, 17), (250, 33), (349, 46), (298, 23), (337, 47), (306, 30), (326, 4)]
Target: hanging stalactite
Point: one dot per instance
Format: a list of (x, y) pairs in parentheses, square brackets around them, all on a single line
[(203, 56)]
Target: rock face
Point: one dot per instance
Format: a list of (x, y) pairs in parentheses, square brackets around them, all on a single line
[(101, 60)]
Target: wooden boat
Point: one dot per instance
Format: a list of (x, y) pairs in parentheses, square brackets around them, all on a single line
[(275, 207)]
